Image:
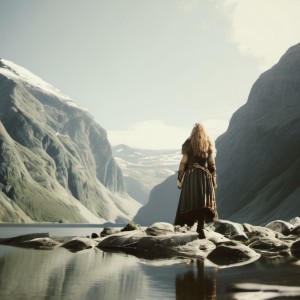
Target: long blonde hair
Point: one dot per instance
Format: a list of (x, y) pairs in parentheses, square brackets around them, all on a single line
[(200, 141)]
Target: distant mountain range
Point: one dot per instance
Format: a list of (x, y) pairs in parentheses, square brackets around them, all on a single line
[(258, 161), (56, 163), (143, 169)]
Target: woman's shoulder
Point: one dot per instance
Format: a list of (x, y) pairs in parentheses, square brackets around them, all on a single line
[(186, 146)]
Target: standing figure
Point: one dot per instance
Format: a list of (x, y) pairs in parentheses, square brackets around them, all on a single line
[(197, 181)]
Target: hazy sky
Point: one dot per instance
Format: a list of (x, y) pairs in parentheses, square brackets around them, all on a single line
[(147, 70)]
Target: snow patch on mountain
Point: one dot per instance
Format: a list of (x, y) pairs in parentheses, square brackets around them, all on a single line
[(143, 168), (14, 71)]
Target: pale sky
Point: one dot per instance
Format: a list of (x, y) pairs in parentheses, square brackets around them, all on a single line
[(147, 70)]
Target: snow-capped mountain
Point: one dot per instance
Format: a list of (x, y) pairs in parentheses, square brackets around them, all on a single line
[(143, 169), (55, 160)]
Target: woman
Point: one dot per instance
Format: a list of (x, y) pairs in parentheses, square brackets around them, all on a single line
[(197, 181)]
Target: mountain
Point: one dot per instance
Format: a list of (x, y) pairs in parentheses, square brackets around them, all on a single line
[(258, 161), (258, 157), (143, 169), (162, 204), (56, 163)]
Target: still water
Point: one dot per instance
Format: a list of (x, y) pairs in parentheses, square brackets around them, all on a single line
[(94, 274)]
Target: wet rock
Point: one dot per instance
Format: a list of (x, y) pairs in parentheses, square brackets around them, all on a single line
[(160, 228), (94, 235), (18, 240), (108, 231), (146, 246), (232, 253), (280, 226), (258, 231), (79, 243), (39, 243), (122, 240), (270, 246), (167, 246), (295, 248), (230, 229), (131, 226), (262, 291)]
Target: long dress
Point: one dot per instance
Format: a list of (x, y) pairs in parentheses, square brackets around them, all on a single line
[(197, 200)]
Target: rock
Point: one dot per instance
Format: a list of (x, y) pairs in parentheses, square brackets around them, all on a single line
[(160, 228), (153, 247), (78, 244), (258, 291), (181, 229), (232, 253), (18, 240), (230, 229), (270, 246), (295, 221), (280, 226), (215, 237), (39, 243), (258, 231), (94, 235), (108, 231), (123, 240), (295, 248), (131, 226), (168, 246), (296, 230)]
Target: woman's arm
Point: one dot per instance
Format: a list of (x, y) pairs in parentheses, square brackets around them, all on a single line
[(182, 169), (212, 168)]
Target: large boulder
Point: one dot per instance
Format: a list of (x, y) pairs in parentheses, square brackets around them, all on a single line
[(232, 253)]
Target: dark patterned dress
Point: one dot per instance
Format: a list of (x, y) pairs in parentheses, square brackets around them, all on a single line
[(197, 198)]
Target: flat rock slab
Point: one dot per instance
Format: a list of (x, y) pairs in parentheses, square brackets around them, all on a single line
[(40, 243), (146, 246), (21, 239)]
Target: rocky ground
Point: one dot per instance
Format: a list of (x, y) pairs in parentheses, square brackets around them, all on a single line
[(226, 244)]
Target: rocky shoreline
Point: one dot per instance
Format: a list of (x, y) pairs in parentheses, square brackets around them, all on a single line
[(226, 244)]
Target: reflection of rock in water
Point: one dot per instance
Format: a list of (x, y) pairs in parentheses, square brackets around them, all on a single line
[(197, 284), (34, 274)]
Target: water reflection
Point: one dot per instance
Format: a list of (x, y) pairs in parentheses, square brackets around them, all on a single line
[(199, 283), (93, 274), (59, 274)]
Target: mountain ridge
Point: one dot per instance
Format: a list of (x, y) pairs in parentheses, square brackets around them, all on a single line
[(58, 150)]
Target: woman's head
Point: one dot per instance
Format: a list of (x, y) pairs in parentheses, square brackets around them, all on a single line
[(200, 141)]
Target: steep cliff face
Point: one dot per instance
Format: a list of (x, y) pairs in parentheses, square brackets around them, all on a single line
[(55, 160), (258, 157)]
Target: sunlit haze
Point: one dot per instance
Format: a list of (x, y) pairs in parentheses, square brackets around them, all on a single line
[(148, 70)]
